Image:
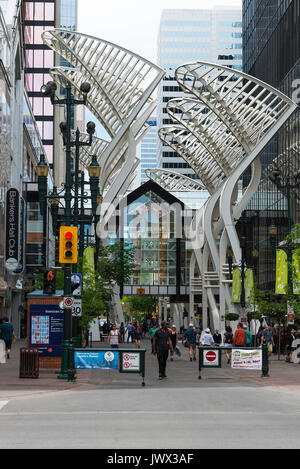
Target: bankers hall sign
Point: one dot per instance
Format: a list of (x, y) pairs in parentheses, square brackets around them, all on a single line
[(12, 229)]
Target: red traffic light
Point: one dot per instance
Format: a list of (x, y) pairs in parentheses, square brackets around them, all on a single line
[(68, 235)]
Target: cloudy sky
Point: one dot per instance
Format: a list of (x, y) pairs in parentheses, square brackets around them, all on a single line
[(133, 24)]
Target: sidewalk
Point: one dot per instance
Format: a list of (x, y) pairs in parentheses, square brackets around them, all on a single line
[(181, 373)]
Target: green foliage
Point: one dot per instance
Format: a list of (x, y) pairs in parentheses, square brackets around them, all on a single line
[(140, 304), (116, 262), (232, 317)]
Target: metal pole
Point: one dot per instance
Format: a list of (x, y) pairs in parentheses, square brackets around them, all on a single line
[(67, 328)]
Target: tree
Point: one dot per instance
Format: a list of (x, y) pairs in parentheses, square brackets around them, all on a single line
[(140, 305), (116, 262)]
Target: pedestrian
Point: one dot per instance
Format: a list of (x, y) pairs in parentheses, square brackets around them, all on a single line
[(207, 339), (174, 340), (267, 337), (122, 331), (114, 337), (290, 337), (130, 332), (191, 335), (217, 338), (138, 335), (7, 334), (249, 337), (161, 344), (240, 336), (152, 331), (228, 341)]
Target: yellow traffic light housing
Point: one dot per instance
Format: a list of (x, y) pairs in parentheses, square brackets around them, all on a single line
[(68, 244)]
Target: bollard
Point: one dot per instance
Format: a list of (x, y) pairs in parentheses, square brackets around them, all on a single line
[(265, 361), (71, 370)]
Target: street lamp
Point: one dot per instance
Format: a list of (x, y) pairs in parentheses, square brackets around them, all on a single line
[(42, 170), (94, 171)]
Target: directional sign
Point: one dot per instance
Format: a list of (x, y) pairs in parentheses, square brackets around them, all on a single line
[(76, 284)]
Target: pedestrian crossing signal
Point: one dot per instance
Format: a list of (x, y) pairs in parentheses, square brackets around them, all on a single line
[(68, 244), (49, 282)]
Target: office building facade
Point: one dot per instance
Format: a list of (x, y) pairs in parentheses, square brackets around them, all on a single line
[(189, 35), (271, 50)]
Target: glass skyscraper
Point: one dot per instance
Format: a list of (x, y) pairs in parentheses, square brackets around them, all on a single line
[(189, 35), (271, 49), (149, 149)]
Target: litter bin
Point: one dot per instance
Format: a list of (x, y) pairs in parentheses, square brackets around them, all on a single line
[(29, 363)]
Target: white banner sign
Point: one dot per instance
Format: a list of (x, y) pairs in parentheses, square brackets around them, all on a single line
[(131, 361), (246, 359)]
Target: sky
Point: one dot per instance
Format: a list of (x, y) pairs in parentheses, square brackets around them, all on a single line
[(133, 24)]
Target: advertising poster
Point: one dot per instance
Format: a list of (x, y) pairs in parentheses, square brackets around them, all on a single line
[(46, 329), (98, 360), (246, 359)]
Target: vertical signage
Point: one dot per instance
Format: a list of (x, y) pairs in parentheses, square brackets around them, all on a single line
[(12, 229), (21, 266)]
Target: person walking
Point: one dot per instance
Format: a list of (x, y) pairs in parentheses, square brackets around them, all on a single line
[(7, 334), (191, 335), (228, 341), (152, 331), (207, 339), (267, 336), (114, 337), (138, 335), (122, 331), (161, 344), (217, 338), (130, 332), (240, 336), (290, 337), (249, 337), (174, 340)]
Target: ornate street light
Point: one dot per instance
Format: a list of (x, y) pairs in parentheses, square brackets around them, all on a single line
[(42, 170), (94, 171)]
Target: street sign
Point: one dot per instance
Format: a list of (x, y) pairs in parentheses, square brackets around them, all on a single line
[(68, 302), (209, 357), (12, 229), (77, 308), (76, 282)]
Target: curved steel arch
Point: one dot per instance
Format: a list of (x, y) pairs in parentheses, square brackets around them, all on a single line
[(194, 153), (173, 181)]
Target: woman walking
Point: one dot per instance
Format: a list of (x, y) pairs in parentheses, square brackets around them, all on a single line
[(228, 341), (174, 340), (7, 334), (138, 335), (114, 337)]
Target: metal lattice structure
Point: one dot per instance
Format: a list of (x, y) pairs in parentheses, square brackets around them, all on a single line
[(173, 181), (122, 84), (220, 131)]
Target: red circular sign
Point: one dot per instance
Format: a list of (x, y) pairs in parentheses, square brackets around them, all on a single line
[(210, 356)]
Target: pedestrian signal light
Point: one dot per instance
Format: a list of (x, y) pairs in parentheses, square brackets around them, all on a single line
[(68, 244)]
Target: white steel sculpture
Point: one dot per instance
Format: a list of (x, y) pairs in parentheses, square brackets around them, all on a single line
[(172, 181), (220, 132), (122, 85)]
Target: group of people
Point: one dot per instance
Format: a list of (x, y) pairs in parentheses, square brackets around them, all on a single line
[(134, 331)]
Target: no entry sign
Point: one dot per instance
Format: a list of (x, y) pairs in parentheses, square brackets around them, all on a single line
[(211, 358)]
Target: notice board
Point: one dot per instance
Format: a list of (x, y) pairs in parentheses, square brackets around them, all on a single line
[(46, 328)]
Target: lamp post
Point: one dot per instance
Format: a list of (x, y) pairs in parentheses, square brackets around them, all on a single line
[(69, 101), (42, 171)]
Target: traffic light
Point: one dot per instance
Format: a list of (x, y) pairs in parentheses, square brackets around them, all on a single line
[(68, 244), (49, 282)]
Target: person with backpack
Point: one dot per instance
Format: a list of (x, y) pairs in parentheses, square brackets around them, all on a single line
[(228, 341), (191, 335), (130, 332)]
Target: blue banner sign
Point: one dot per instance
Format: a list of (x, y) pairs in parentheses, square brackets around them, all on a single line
[(98, 360)]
